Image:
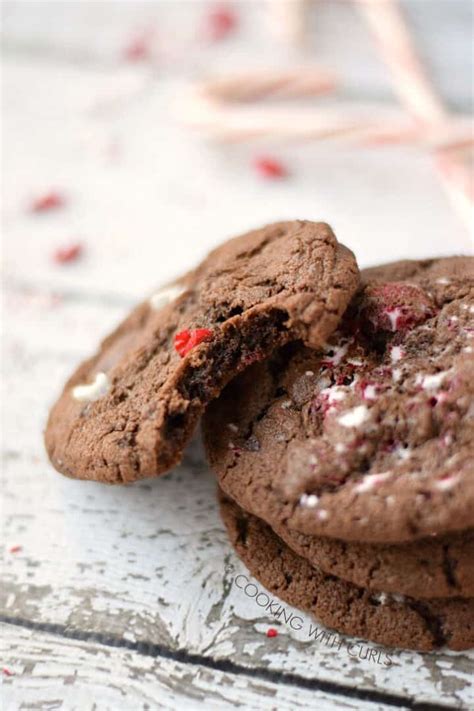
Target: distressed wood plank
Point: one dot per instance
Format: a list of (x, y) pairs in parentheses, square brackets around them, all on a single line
[(54, 673), (168, 197)]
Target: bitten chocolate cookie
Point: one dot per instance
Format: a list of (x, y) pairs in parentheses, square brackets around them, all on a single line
[(372, 439), (128, 412), (394, 621)]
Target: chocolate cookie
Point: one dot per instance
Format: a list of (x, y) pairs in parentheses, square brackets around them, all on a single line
[(395, 621), (371, 439), (128, 412)]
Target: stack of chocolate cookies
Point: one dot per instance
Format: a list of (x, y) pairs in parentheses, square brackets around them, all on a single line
[(338, 418)]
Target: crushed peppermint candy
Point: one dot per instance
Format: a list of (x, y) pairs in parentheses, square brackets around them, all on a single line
[(221, 22), (309, 501), (369, 392), (394, 316), (165, 296), (396, 353), (334, 356), (431, 382), (66, 255), (370, 481), (14, 549), (272, 632), (447, 482), (322, 514), (270, 168), (186, 340), (354, 417), (51, 200), (92, 391)]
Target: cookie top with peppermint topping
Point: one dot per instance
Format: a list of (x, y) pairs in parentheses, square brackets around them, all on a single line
[(371, 438), (128, 412)]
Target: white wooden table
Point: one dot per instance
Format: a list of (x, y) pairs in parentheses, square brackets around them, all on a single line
[(122, 598)]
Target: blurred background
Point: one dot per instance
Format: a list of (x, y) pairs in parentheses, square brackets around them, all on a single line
[(137, 135)]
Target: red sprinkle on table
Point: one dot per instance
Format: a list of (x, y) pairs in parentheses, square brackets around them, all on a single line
[(65, 255), (7, 672), (270, 168), (15, 549), (184, 341), (272, 632), (48, 201), (138, 49), (220, 22)]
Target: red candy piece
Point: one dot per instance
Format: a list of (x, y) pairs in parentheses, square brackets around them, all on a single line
[(184, 341), (15, 549), (270, 168), (47, 201), (138, 49), (7, 672), (220, 22), (272, 632), (395, 307), (64, 255)]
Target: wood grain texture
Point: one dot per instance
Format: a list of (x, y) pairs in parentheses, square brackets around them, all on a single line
[(113, 590), (54, 673)]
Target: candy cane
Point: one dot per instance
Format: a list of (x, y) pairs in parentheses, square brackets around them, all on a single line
[(418, 96)]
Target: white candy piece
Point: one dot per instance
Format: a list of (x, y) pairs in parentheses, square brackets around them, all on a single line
[(93, 391), (431, 382), (369, 481), (354, 417), (309, 500), (165, 296), (394, 315), (396, 353)]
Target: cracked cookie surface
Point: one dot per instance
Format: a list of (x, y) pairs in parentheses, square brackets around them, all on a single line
[(372, 438), (396, 621), (127, 412)]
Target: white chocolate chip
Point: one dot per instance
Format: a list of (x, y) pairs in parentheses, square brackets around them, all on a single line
[(165, 296), (354, 417), (92, 391)]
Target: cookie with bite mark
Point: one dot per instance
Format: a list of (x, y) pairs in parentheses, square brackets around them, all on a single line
[(128, 412)]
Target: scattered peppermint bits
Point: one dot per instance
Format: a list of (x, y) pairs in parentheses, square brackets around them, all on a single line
[(221, 22), (7, 672), (186, 340), (51, 200), (322, 514), (396, 353), (272, 632), (15, 549), (382, 598), (309, 501), (369, 392), (443, 280), (165, 296), (396, 374), (431, 382), (447, 482), (138, 49), (354, 417), (270, 168), (93, 391), (66, 255), (334, 356), (370, 481)]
